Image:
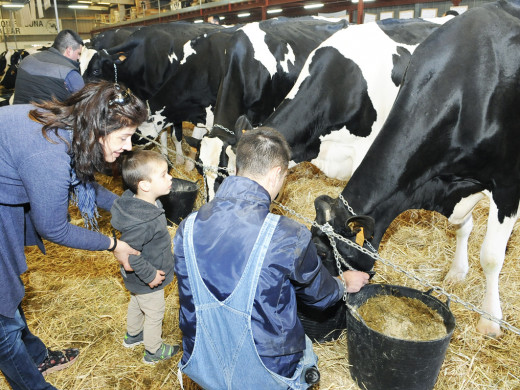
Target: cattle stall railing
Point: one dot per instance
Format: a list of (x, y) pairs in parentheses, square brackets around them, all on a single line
[(332, 235)]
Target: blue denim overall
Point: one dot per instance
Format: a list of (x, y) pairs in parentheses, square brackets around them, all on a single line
[(224, 355)]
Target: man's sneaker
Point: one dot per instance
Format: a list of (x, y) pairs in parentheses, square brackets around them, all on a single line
[(132, 341), (164, 352), (58, 360)]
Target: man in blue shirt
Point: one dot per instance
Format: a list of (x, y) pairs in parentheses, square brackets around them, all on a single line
[(221, 242), (53, 72)]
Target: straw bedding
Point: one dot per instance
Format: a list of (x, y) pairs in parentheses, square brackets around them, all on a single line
[(76, 298)]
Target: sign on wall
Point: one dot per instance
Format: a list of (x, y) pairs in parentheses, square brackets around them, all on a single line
[(36, 27)]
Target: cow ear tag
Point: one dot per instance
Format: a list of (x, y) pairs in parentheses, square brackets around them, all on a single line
[(362, 226), (243, 131), (360, 236)]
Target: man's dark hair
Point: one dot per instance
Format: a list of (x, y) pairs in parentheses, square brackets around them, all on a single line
[(138, 165), (67, 38), (260, 150)]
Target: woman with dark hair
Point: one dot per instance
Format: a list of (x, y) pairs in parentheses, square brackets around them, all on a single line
[(48, 154)]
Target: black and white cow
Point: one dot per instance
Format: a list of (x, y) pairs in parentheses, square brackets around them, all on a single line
[(264, 61), (5, 58), (146, 61), (451, 138), (148, 57), (13, 59), (190, 94), (341, 98)]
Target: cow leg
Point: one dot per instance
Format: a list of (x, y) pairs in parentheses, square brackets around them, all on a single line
[(177, 138), (210, 149), (198, 132), (462, 217), (164, 142), (459, 266), (492, 255), (232, 161)]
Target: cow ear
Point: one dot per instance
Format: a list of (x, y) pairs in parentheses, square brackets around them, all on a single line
[(323, 207), (241, 126), (362, 226)]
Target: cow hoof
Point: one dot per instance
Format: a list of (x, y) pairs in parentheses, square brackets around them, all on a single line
[(489, 328), (189, 165), (455, 276)]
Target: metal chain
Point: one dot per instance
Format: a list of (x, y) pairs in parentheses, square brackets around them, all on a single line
[(223, 128), (115, 73), (346, 204), (329, 231)]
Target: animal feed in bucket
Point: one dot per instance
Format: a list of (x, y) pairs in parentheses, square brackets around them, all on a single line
[(402, 318)]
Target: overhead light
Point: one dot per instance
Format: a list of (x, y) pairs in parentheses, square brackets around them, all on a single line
[(222, 17), (364, 1), (12, 5), (198, 21), (244, 15), (80, 6), (274, 11), (103, 3), (84, 1), (311, 6)]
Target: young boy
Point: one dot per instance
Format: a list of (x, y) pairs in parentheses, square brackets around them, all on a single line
[(140, 218)]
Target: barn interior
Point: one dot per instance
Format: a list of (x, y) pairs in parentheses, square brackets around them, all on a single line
[(77, 298), (89, 17)]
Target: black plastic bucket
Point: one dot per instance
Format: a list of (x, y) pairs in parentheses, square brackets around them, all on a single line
[(380, 362), (178, 204)]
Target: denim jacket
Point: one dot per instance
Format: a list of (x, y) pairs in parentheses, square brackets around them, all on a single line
[(224, 234)]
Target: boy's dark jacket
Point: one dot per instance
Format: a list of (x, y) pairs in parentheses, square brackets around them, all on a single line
[(143, 227)]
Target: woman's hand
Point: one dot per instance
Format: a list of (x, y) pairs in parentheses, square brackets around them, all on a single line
[(122, 251)]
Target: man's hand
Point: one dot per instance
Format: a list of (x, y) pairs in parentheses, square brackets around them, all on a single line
[(159, 278), (355, 280), (122, 251)]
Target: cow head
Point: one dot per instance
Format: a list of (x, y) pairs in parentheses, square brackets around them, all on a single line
[(354, 228), (217, 149), (101, 65)]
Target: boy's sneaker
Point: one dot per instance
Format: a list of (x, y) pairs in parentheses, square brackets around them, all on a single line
[(58, 360), (164, 352), (132, 341)]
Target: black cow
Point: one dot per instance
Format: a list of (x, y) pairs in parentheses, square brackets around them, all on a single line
[(113, 37), (450, 139)]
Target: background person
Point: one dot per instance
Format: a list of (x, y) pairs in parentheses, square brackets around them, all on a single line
[(47, 152), (217, 244), (53, 72), (140, 218), (213, 19)]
